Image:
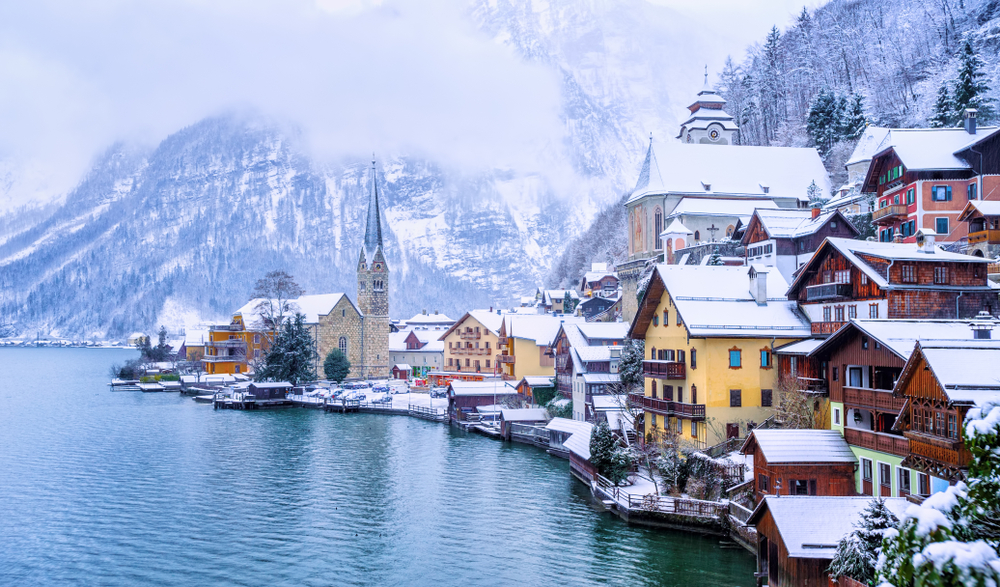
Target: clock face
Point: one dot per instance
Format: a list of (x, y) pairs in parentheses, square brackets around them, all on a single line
[(714, 134)]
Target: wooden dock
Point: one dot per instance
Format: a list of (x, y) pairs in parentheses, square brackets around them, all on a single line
[(343, 406)]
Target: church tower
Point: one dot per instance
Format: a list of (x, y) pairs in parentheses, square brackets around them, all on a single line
[(373, 291), (708, 124)]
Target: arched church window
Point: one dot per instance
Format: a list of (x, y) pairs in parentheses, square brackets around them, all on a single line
[(730, 229), (697, 235), (658, 224), (343, 345)]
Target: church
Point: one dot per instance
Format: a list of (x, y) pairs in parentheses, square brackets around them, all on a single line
[(360, 331)]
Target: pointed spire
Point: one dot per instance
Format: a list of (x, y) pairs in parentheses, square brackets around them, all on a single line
[(649, 175), (373, 228)]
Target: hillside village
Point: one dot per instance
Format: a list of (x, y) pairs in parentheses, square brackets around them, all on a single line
[(754, 339)]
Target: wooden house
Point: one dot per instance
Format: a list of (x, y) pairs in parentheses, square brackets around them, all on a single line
[(786, 239), (527, 416), (939, 383), (800, 462), (464, 397), (983, 225), (591, 308), (709, 333), (269, 391), (923, 178), (847, 279), (577, 446), (401, 371), (599, 282), (586, 357), (529, 387), (798, 536)]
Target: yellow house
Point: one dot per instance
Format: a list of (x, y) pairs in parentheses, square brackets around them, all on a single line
[(525, 342), (229, 348), (470, 345), (709, 334)]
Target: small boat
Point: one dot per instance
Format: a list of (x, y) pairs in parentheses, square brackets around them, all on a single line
[(204, 399)]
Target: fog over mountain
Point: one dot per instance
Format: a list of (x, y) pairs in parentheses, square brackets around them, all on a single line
[(501, 128)]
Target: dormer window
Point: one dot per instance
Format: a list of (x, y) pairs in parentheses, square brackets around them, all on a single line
[(766, 189), (707, 186)]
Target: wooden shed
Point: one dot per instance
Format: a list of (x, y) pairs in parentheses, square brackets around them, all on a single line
[(800, 462), (529, 416)]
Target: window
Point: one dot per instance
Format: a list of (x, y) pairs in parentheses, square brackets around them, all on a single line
[(656, 320), (972, 189), (836, 416), (256, 339), (884, 475), (866, 469), (697, 235), (694, 430), (864, 341), (680, 426), (680, 355), (941, 225), (765, 359), (923, 484), (952, 428), (652, 388), (852, 312), (666, 317), (941, 193), (842, 276), (694, 394), (873, 310), (904, 480), (802, 487), (652, 420), (652, 354), (467, 363), (864, 279), (342, 345), (678, 318), (735, 360), (895, 199), (735, 398), (836, 375), (838, 312), (941, 275), (939, 423), (765, 398), (487, 363), (450, 364), (694, 359), (343, 313), (658, 224), (911, 195), (668, 393), (763, 483), (908, 273)]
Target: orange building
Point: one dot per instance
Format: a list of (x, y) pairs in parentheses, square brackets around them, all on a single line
[(230, 348)]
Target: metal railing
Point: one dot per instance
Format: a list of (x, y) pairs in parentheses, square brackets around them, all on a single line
[(224, 358), (739, 512)]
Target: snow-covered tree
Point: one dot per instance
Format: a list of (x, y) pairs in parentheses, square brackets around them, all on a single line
[(853, 120), (944, 109), (950, 539), (715, 258), (814, 193), (857, 554), (276, 292), (336, 366), (823, 120), (630, 364), (971, 89), (569, 304), (292, 357)]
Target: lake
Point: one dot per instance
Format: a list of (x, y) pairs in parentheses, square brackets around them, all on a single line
[(129, 488)]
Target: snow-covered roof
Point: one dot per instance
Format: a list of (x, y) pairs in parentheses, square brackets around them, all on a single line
[(524, 414), (800, 446), (867, 145), (604, 330), (490, 320), (312, 306), (195, 337), (402, 366), (802, 347), (536, 381), (592, 276), (580, 334), (794, 223), (845, 200), (901, 335), (931, 148), (429, 338), (676, 227), (541, 328), (467, 388), (716, 301), (558, 294), (609, 402), (849, 248), (811, 526), (735, 170), (567, 425), (579, 442), (984, 207), (692, 206), (967, 370), (601, 378)]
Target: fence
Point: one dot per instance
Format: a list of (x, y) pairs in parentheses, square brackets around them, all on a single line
[(659, 503), (739, 512)]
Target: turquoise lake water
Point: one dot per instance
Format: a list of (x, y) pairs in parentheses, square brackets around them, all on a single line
[(126, 488)]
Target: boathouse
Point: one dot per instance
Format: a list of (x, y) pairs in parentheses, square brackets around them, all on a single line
[(269, 391), (524, 416), (464, 397), (578, 446), (800, 462)]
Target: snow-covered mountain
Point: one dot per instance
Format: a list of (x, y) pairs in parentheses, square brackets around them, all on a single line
[(179, 232)]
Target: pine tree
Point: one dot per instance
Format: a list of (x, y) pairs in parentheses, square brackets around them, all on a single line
[(944, 109), (853, 120), (823, 121), (569, 304), (857, 554), (715, 259), (630, 365), (814, 193), (610, 459), (336, 366), (971, 90), (292, 356)]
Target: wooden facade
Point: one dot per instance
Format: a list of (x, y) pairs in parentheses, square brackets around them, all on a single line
[(781, 570), (801, 478)]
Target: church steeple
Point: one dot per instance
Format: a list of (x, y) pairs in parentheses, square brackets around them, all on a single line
[(373, 228), (708, 123)]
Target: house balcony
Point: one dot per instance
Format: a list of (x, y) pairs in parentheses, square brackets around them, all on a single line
[(991, 237), (827, 291), (226, 328), (880, 400), (889, 214), (503, 341), (825, 327), (668, 408), (663, 369), (944, 452), (227, 344), (473, 335), (467, 351), (505, 359), (887, 443), (224, 358)]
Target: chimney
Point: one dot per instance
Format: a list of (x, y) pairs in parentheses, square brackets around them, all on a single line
[(435, 312), (425, 312), (815, 210), (982, 326), (925, 240), (970, 120), (758, 285)]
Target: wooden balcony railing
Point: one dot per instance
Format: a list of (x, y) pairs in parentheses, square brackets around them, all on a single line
[(826, 327), (889, 213), (505, 359), (887, 443), (827, 291), (663, 369), (467, 351), (985, 236), (941, 450), (812, 385), (503, 341), (875, 399), (668, 408), (469, 335)]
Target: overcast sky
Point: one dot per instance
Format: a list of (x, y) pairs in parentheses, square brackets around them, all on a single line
[(396, 75)]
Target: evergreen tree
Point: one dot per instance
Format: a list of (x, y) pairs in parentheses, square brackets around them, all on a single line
[(823, 121), (715, 259), (569, 304), (630, 365), (292, 356), (853, 120), (162, 350), (971, 90), (336, 366), (857, 554), (944, 109), (814, 193), (610, 459)]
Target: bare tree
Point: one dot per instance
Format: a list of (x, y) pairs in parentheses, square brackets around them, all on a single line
[(799, 408), (276, 292)]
